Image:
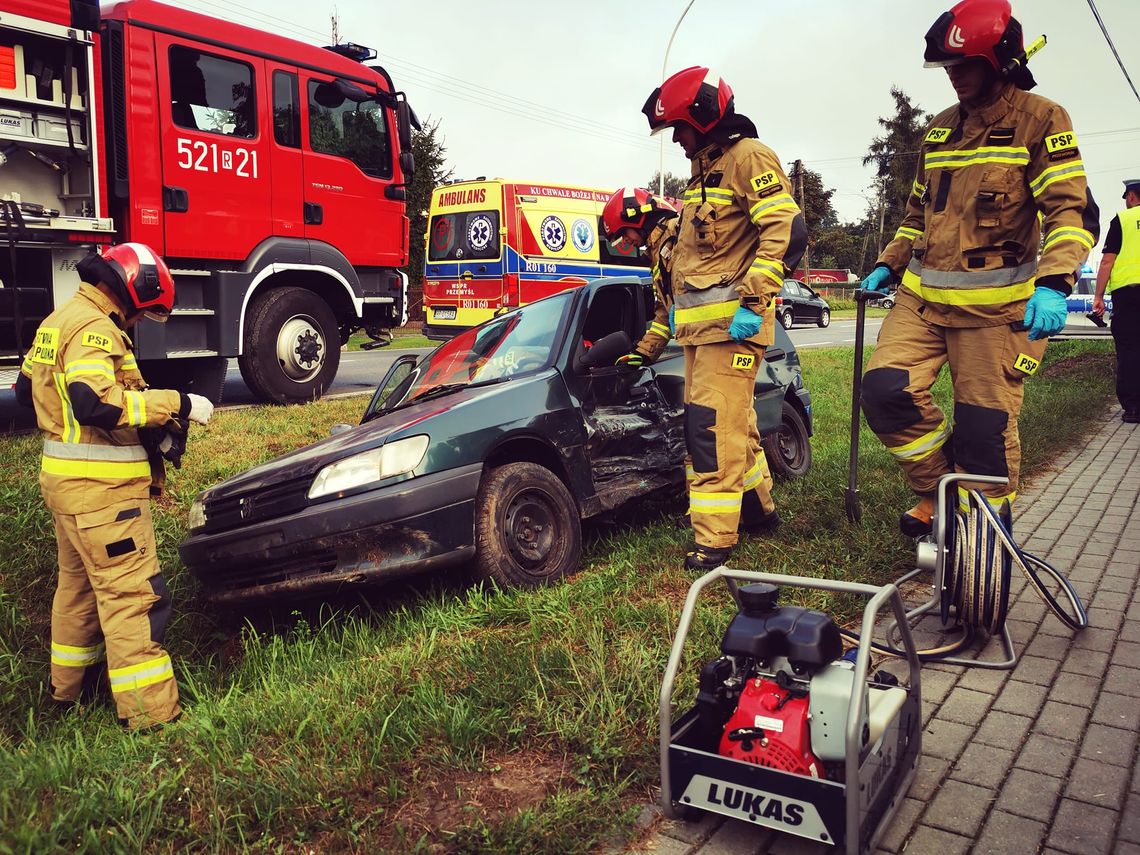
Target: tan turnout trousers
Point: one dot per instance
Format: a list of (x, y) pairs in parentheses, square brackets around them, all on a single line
[(723, 441), (988, 366), (111, 601)]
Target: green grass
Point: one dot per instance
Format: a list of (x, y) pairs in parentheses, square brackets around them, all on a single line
[(434, 713), (844, 311), (401, 339)]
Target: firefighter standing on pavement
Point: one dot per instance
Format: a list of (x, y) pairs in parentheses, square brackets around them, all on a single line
[(81, 376), (635, 217), (995, 172), (1119, 274), (740, 233)]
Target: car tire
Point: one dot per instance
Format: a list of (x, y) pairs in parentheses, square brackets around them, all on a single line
[(888, 302), (788, 448), (292, 346), (527, 528), (824, 318), (787, 319)]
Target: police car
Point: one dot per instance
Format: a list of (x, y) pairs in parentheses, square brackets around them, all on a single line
[(1079, 304)]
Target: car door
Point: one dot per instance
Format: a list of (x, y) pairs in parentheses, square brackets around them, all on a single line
[(635, 436), (812, 303)]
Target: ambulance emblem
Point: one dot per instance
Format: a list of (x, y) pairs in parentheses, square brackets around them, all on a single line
[(553, 233), (582, 235), (479, 232)]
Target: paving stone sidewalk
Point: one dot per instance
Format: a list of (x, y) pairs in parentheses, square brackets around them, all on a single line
[(1042, 758)]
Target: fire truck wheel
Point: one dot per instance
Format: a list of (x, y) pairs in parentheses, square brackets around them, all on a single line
[(527, 528), (292, 347), (788, 448)]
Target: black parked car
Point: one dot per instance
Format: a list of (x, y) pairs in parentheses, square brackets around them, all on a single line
[(493, 447), (798, 304)]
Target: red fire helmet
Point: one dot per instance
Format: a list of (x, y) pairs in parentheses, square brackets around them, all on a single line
[(696, 96), (975, 28), (136, 273), (634, 208)]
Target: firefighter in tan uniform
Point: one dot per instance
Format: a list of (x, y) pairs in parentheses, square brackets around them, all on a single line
[(91, 402), (740, 233), (996, 172)]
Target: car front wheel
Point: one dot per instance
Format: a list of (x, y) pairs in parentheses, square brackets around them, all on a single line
[(788, 448), (824, 317), (527, 528), (786, 319)]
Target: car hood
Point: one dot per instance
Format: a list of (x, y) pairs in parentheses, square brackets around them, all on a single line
[(306, 462)]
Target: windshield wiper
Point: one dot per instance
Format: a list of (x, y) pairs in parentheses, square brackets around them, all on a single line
[(446, 389)]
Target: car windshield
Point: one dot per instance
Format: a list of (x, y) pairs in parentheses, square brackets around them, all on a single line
[(501, 349)]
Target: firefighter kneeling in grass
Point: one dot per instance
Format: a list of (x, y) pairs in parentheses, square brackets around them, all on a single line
[(974, 292), (740, 233), (97, 478)]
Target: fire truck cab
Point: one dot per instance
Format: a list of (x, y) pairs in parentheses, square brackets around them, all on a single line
[(270, 174)]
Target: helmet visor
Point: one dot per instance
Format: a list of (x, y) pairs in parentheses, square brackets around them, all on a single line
[(157, 315)]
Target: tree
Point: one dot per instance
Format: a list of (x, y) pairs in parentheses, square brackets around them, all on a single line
[(430, 153), (895, 155), (674, 184)]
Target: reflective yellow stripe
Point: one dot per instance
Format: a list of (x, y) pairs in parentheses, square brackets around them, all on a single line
[(660, 329), (772, 269), (924, 446), (136, 408), (70, 424), (144, 674), (753, 476), (26, 367), (776, 203), (111, 469), (714, 503), (711, 312), (1015, 154), (712, 195), (690, 472), (1074, 169), (129, 363), (967, 296), (918, 189), (89, 368), (994, 502), (913, 234), (76, 657), (1084, 238)]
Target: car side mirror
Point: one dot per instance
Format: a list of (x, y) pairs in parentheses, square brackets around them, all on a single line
[(606, 350), (339, 429)]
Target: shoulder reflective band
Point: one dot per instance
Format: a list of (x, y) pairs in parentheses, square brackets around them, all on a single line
[(778, 202), (1074, 169), (136, 408), (1014, 154), (1081, 236), (918, 189), (774, 270), (659, 329), (88, 368), (911, 234)]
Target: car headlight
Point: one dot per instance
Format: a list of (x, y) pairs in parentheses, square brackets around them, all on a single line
[(197, 517), (394, 458)]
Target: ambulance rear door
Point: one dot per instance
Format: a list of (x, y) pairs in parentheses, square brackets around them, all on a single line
[(215, 137), (465, 251)]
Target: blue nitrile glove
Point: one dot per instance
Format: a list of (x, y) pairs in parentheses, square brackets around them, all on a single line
[(745, 324), (1045, 313), (878, 280), (672, 322), (633, 360)]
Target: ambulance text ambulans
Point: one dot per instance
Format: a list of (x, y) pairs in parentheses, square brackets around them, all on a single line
[(495, 244), (269, 173)]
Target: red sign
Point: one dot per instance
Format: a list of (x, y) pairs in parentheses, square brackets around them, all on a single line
[(561, 192), (821, 276)]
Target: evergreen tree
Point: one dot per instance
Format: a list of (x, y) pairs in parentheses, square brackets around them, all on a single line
[(895, 155), (674, 184), (431, 171)]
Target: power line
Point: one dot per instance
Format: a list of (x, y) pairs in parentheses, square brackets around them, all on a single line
[(1112, 47)]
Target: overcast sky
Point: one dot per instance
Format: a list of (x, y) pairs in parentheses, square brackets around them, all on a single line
[(552, 92)]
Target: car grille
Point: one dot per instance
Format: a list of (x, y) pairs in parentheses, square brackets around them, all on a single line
[(268, 503), (266, 573)]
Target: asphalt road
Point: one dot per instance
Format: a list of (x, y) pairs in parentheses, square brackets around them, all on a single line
[(361, 371)]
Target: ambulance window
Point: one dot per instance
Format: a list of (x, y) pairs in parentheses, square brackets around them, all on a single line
[(345, 128), (466, 235), (212, 93), (286, 110), (626, 256)]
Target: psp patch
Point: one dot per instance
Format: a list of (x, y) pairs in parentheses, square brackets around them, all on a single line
[(1060, 142), (45, 345), (1026, 364), (767, 183), (98, 340), (743, 361), (938, 135)]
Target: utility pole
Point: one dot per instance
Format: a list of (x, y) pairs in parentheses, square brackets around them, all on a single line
[(335, 27), (798, 169), (664, 65), (882, 216)]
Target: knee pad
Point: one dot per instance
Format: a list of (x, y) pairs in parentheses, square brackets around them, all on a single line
[(886, 403), (700, 437), (979, 439)]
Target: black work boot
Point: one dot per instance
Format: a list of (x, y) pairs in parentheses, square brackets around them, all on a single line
[(753, 519), (702, 559), (917, 522)]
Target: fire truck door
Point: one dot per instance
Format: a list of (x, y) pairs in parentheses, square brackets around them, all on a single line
[(216, 125), (349, 164), (286, 159)]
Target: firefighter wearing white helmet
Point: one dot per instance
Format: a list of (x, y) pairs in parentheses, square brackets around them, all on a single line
[(973, 291), (111, 601), (740, 234)]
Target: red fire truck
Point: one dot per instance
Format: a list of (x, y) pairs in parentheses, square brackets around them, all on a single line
[(269, 173)]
